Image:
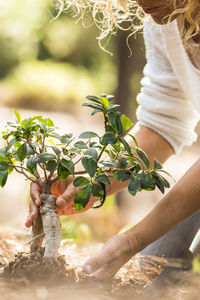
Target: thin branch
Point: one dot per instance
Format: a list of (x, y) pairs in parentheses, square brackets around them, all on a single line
[(80, 172), (100, 154), (30, 144), (50, 175), (37, 175), (78, 160), (54, 179), (35, 237), (44, 170), (29, 178)]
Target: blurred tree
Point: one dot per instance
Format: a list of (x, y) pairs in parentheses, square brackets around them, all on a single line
[(128, 67)]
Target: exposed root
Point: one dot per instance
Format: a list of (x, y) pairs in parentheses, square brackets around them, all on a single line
[(37, 230)]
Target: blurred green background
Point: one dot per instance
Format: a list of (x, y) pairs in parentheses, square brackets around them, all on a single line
[(49, 67)]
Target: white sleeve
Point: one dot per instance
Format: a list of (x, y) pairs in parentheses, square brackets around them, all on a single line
[(163, 106)]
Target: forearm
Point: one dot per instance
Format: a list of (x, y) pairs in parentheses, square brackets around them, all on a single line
[(182, 201), (153, 144)]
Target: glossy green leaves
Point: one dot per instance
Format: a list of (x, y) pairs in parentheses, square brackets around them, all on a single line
[(35, 149)]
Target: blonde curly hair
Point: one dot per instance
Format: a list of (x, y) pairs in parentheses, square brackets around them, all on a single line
[(127, 15), (189, 17)]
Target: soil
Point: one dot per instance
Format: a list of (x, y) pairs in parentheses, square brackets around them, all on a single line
[(31, 277), (34, 267)]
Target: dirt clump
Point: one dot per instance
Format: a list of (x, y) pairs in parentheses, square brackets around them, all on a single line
[(35, 268)]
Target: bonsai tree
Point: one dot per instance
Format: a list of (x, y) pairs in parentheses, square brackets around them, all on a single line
[(35, 150)]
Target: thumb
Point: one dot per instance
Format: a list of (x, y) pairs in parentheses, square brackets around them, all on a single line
[(64, 200), (96, 262)]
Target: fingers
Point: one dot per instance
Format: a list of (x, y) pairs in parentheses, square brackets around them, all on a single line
[(113, 256), (32, 215), (97, 262), (35, 191), (28, 221)]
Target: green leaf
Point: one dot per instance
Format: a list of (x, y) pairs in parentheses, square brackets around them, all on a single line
[(109, 128), (121, 175), (44, 157), (11, 143), (110, 163), (104, 101), (31, 165), (22, 152), (92, 152), (119, 123), (63, 173), (17, 114), (55, 135), (110, 97), (49, 122), (103, 178), (56, 150), (113, 119), (126, 146), (95, 106), (3, 157), (30, 151), (147, 181), (73, 150), (3, 152), (134, 185), (65, 139), (93, 98), (126, 122), (88, 135), (89, 164), (112, 107), (143, 157), (161, 182), (51, 165), (4, 166), (80, 181), (111, 153), (97, 190), (80, 145), (95, 111), (26, 123), (82, 197), (122, 162), (108, 138), (156, 164), (3, 178), (134, 139), (68, 164)]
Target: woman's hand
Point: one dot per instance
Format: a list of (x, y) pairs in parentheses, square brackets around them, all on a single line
[(115, 253), (64, 190)]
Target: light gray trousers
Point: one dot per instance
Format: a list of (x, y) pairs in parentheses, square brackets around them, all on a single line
[(175, 244)]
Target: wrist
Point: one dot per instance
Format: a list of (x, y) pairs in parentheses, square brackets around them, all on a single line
[(133, 241)]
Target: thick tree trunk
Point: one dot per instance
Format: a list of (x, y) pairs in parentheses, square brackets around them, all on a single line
[(51, 225), (48, 222)]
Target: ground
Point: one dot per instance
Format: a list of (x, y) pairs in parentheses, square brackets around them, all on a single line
[(130, 281)]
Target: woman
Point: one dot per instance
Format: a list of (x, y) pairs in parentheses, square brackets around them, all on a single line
[(169, 106)]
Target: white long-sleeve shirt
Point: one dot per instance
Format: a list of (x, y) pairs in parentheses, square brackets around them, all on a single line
[(169, 101)]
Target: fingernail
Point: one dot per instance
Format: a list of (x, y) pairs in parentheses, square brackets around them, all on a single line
[(88, 269)]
